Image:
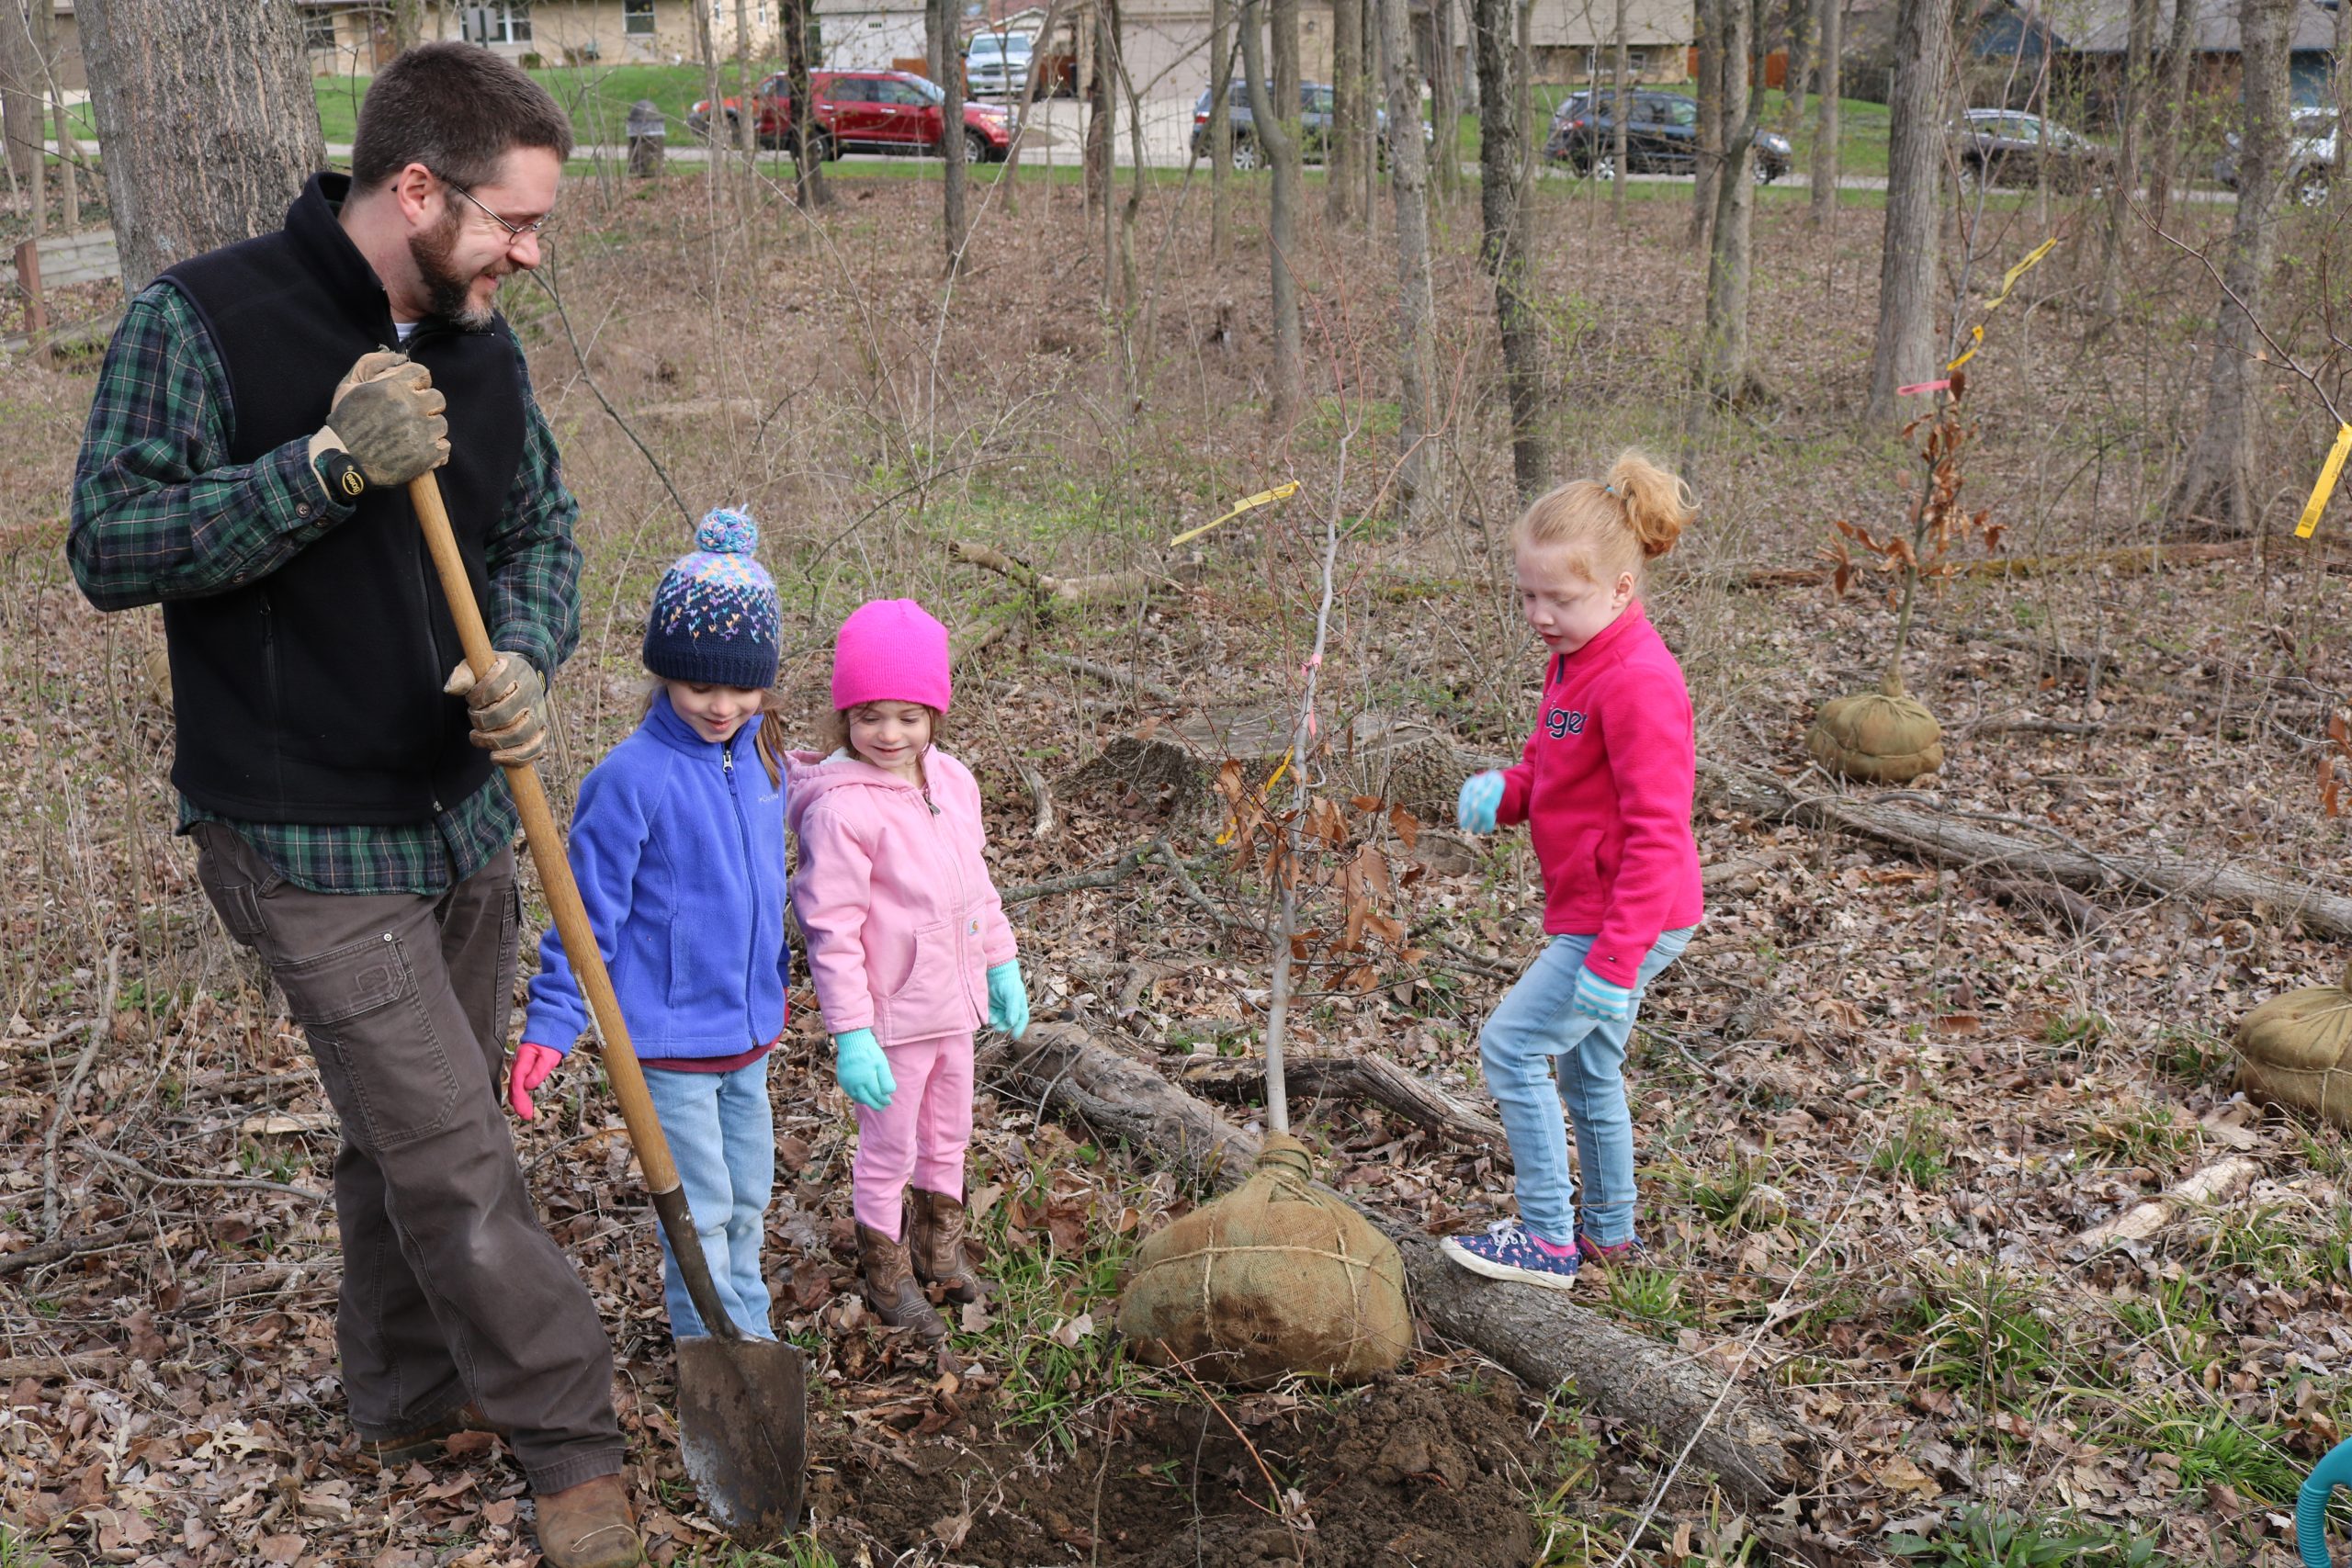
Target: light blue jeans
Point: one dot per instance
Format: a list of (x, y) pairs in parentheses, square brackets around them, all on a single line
[(1541, 1055), (722, 1136)]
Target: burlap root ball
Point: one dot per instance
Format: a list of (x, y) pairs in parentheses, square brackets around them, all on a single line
[(1884, 737), (2295, 1050), (1277, 1277)]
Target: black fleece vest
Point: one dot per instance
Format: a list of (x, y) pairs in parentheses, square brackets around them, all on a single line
[(313, 694)]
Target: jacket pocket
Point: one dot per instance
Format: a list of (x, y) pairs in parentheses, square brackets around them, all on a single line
[(929, 1001), (386, 1068)]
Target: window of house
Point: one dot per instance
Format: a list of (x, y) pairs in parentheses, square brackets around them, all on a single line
[(505, 21), (318, 29), (637, 18)]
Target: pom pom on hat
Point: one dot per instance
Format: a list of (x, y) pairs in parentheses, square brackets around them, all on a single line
[(716, 618), (891, 650)]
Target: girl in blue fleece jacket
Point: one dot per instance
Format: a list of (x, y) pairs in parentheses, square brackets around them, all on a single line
[(678, 845)]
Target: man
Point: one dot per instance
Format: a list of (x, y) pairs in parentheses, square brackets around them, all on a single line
[(245, 463)]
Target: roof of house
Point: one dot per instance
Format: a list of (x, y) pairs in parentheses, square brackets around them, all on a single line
[(2102, 26)]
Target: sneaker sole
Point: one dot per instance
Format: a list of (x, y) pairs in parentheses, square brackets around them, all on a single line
[(1494, 1270)]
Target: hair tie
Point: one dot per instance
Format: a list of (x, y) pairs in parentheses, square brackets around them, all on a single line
[(1609, 489)]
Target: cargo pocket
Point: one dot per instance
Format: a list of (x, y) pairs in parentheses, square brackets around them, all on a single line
[(233, 897), (386, 1070)]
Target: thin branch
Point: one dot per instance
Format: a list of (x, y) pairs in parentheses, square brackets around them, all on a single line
[(51, 1222), (539, 276), (212, 1183)]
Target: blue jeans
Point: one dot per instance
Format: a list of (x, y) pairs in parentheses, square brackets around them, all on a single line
[(722, 1136), (1530, 1028)]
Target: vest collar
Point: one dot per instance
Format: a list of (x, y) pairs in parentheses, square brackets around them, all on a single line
[(314, 225)]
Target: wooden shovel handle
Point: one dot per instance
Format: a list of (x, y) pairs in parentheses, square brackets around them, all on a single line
[(578, 940)]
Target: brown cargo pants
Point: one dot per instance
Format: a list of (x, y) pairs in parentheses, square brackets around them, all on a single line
[(451, 1289)]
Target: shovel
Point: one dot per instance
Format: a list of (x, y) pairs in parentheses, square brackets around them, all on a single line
[(742, 1403)]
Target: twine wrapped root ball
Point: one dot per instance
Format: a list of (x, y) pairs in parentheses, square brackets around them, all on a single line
[(1884, 737), (2295, 1050), (1275, 1277)]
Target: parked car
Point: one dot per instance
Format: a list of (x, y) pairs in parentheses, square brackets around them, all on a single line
[(2011, 147), (2311, 157), (1315, 124), (1661, 137), (866, 111), (996, 65)]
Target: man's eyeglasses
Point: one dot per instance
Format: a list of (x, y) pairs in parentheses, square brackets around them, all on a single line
[(515, 232)]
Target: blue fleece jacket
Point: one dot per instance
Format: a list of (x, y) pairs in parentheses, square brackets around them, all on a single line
[(678, 847)]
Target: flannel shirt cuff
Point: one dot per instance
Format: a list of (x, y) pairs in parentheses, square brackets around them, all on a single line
[(290, 490)]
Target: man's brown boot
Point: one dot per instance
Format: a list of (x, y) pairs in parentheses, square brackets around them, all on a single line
[(890, 1288), (427, 1439), (935, 1242), (589, 1525)]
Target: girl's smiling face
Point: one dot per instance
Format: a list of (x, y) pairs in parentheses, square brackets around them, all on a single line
[(1565, 608), (891, 736), (715, 712)]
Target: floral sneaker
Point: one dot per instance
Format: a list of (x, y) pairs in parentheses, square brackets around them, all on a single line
[(1509, 1251), (1620, 1253)]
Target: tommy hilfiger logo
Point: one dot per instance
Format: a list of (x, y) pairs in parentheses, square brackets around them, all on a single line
[(1561, 723)]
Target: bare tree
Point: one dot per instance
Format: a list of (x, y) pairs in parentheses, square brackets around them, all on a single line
[(947, 71), (1906, 347), (807, 147), (1281, 17), (2140, 42), (1507, 239), (2170, 108), (407, 23), (22, 80), (1825, 125), (1274, 138), (1724, 375), (1799, 19), (721, 135), (1708, 17), (2339, 188), (1620, 110), (2216, 480), (1094, 86), (174, 196), (1416, 307), (747, 124), (1445, 108), (1007, 183), (1221, 48), (1342, 183)]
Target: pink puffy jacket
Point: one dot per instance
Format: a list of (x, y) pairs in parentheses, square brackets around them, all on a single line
[(901, 921)]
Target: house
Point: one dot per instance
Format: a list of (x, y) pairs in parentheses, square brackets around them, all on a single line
[(355, 37), (2086, 40)]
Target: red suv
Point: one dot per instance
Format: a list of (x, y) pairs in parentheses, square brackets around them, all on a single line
[(868, 111)]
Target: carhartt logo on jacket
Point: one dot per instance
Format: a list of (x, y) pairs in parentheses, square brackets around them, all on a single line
[(900, 917)]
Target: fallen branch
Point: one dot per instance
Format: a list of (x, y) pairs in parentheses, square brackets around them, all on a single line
[(276, 1280), (1946, 839), (1191, 889), (73, 1245), (1068, 590), (1112, 674), (1118, 871), (1376, 1078), (56, 1369), (2142, 1221), (2128, 560), (1542, 1338), (1043, 796), (52, 1224), (211, 1183)]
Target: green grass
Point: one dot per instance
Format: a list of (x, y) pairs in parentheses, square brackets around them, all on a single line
[(1981, 1335), (1861, 126), (1918, 1153), (2212, 1447), (1992, 1537), (597, 97)]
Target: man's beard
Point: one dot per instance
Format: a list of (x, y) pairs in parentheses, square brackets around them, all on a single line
[(446, 289)]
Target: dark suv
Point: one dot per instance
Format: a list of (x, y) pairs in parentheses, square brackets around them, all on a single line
[(1661, 137), (2010, 146), (1315, 123)]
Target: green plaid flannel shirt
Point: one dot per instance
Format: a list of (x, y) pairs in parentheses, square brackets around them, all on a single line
[(160, 512)]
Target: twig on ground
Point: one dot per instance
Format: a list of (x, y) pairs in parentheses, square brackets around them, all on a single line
[(73, 1245), (220, 1183), (1112, 674), (51, 1222), (1041, 796), (1191, 889)]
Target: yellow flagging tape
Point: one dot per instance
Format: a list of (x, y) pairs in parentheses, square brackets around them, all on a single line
[(2008, 281), (1280, 493), (1235, 825), (2329, 472)]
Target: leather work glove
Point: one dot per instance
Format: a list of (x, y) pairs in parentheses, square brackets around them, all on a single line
[(509, 707), (392, 425), (532, 1066), (369, 366), (1604, 999), (1482, 794), (862, 1070), (1008, 1000)]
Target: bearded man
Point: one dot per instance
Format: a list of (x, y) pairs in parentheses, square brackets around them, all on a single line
[(260, 413)]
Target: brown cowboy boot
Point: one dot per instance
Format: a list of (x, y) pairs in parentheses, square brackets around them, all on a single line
[(890, 1288), (935, 1241), (589, 1525)]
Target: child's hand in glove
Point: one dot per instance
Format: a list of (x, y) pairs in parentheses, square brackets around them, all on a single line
[(1008, 1000), (1605, 999), (862, 1070), (1482, 795)]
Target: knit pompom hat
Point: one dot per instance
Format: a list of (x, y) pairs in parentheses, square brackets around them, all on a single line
[(890, 650), (716, 616)]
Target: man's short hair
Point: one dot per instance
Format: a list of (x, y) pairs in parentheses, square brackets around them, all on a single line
[(457, 109)]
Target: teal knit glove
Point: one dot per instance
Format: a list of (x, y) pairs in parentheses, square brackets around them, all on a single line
[(1008, 1000), (1601, 998), (1482, 795), (862, 1070)]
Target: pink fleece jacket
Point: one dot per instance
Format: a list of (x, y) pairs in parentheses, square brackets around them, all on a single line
[(1605, 786), (893, 894)]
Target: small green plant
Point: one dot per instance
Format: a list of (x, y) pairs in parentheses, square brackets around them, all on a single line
[(1727, 1195), (2075, 1029), (2257, 1237), (2175, 1320), (1992, 1537), (17, 1551), (800, 1552), (2146, 1132), (2213, 1447), (2189, 1054), (1651, 1296), (1918, 1153), (1985, 1333)]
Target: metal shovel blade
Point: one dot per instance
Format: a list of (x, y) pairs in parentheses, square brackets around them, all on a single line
[(742, 1425)]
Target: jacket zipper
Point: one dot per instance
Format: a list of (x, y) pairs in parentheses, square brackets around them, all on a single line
[(962, 903), (743, 841)]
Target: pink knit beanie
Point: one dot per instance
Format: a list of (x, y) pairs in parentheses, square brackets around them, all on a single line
[(890, 650)]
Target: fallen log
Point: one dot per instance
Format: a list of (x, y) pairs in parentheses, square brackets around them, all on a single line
[(2126, 560), (2142, 1221), (1376, 1078), (1950, 840), (1541, 1336)]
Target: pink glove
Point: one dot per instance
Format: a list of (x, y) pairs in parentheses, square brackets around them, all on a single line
[(532, 1066)]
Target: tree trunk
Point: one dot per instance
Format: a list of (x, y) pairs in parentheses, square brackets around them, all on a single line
[(2170, 110), (2139, 48), (747, 130), (1505, 246), (944, 46), (720, 135), (1824, 132), (1282, 42), (1094, 72), (1708, 154), (1542, 1338), (1220, 129), (172, 196), (1275, 144), (23, 85), (1723, 373), (2339, 180), (2216, 481), (1416, 307), (1341, 182), (808, 168), (1445, 106), (1800, 22), (69, 160), (1906, 347), (407, 23), (1620, 110)]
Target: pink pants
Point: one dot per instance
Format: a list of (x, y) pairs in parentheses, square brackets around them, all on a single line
[(920, 1136)]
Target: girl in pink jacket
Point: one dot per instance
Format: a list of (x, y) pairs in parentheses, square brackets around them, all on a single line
[(908, 948), (1604, 785)]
